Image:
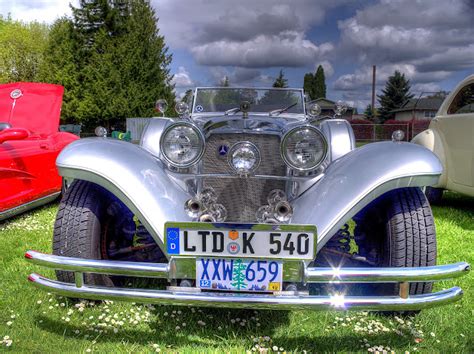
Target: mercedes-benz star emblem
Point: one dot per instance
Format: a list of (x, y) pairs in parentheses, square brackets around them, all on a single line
[(223, 150)]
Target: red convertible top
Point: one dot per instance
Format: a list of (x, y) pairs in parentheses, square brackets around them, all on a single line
[(33, 106)]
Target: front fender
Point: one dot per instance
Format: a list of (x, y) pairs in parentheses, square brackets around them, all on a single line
[(130, 173), (359, 177)]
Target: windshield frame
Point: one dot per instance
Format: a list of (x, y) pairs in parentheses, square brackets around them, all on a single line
[(265, 114)]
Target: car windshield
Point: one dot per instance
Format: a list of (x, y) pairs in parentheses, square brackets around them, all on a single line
[(278, 101)]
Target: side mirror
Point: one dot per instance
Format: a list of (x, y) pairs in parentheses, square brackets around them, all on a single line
[(13, 134), (4, 126)]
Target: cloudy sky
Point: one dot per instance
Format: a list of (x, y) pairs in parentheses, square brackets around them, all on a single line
[(249, 41)]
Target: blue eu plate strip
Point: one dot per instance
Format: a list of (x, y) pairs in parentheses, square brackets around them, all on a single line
[(172, 240)]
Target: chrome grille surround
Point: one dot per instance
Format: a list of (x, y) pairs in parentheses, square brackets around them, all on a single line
[(243, 196)]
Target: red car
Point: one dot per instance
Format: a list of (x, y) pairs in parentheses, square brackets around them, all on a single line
[(30, 141)]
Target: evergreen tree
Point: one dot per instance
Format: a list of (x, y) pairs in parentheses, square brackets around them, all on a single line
[(315, 84), (308, 85), (112, 61), (319, 83), (61, 65), (187, 96), (280, 81), (395, 94)]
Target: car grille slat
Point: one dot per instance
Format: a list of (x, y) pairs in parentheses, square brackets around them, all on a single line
[(243, 196)]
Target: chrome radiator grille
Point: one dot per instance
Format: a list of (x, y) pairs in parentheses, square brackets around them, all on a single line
[(243, 196)]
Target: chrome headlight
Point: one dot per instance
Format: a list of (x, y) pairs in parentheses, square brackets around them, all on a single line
[(182, 144), (244, 158), (304, 148)]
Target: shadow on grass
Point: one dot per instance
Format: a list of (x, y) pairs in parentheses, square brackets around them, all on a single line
[(213, 336), (452, 208), (220, 325)]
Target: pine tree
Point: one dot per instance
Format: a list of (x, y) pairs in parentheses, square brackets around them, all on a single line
[(395, 94), (319, 83), (61, 65), (315, 84), (116, 61), (280, 81), (308, 85)]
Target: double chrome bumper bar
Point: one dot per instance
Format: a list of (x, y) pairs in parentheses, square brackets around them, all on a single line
[(281, 301)]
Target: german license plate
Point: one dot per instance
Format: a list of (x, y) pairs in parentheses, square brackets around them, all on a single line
[(239, 274), (241, 240)]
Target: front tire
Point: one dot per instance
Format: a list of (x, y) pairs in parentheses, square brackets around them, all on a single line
[(78, 228), (399, 231)]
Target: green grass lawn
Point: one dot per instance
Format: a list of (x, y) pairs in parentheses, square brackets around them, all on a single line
[(36, 321)]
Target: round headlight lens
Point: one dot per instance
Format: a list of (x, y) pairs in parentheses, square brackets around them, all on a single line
[(244, 158), (304, 148), (182, 145)]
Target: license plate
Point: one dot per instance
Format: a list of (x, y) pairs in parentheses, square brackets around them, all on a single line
[(239, 274), (241, 240)]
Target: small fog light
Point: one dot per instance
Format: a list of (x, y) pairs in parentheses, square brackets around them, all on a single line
[(398, 135), (244, 158), (314, 110), (181, 108), (100, 132)]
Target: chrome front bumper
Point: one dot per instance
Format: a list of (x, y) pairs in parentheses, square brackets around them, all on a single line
[(280, 301)]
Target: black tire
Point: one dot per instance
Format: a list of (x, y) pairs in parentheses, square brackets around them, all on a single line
[(405, 220), (434, 195), (77, 230)]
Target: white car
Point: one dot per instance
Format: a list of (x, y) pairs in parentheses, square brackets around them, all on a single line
[(450, 137)]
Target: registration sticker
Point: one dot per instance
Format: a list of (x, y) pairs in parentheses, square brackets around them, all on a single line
[(239, 274)]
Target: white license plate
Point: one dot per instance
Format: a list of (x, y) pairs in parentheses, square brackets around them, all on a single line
[(221, 240), (239, 274)]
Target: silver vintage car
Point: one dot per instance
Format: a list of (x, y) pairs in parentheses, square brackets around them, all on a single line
[(250, 198)]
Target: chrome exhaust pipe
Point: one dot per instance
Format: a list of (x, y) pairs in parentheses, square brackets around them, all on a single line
[(193, 207), (283, 211)]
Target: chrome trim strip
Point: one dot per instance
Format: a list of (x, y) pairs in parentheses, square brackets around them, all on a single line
[(386, 275), (28, 206), (255, 301), (311, 274), (136, 269)]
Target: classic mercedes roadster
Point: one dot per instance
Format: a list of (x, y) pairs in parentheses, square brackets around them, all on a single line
[(250, 198)]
